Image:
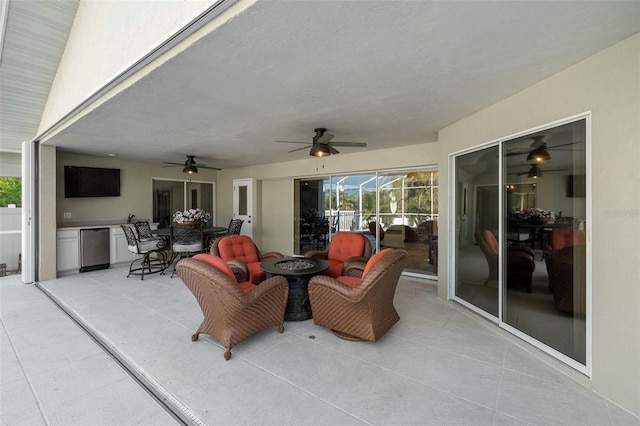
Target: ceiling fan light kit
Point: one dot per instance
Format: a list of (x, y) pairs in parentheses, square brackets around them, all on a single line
[(539, 155), (319, 150), (190, 166), (190, 169), (535, 172)]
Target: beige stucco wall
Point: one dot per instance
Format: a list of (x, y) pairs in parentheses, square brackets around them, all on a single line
[(47, 259), (608, 85), (136, 195)]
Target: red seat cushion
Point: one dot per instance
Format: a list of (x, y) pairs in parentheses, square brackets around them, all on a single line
[(238, 247), (345, 245), (256, 275), (350, 281), (375, 259), (217, 263), (246, 286)]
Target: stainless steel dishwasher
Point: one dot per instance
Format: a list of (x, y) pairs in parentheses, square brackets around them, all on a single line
[(94, 249)]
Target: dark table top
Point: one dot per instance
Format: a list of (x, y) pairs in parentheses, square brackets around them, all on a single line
[(271, 266)]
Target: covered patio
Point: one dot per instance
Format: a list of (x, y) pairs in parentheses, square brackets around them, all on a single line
[(439, 365)]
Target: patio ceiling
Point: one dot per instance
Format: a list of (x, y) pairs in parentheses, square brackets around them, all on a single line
[(385, 73)]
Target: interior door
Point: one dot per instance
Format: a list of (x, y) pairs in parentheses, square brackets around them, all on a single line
[(243, 204)]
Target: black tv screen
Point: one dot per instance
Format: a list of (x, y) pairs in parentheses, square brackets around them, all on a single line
[(91, 182)]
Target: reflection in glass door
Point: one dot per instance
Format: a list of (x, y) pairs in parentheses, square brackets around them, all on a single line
[(545, 237), (520, 241), (476, 210)]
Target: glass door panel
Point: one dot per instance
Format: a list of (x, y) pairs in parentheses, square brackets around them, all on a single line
[(168, 197), (476, 212), (545, 215)]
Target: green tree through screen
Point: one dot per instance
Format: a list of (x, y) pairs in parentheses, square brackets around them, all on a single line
[(10, 191)]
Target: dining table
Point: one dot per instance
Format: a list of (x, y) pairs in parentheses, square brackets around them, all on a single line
[(208, 234)]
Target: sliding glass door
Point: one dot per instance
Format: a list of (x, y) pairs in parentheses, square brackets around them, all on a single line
[(397, 209), (477, 212), (170, 196), (520, 237)]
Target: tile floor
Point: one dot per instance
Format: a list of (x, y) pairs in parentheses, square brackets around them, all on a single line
[(439, 365)]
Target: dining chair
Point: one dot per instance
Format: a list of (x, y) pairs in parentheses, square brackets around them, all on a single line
[(186, 240), (152, 256)]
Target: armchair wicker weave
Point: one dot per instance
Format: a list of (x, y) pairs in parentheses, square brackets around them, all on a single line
[(242, 256), (346, 253), (359, 308), (232, 311)]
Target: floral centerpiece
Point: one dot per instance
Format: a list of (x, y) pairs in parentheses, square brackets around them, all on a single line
[(191, 216), (536, 215)]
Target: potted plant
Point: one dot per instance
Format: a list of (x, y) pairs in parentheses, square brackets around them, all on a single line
[(192, 217), (536, 215)]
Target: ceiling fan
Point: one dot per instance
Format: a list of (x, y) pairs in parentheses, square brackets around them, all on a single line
[(535, 171), (190, 166), (322, 146), (539, 151)]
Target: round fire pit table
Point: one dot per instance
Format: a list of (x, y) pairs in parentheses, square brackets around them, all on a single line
[(298, 271)]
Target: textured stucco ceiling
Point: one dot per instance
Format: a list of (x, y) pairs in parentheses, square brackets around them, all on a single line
[(385, 73)]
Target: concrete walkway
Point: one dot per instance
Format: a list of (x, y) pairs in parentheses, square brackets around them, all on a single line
[(439, 365)]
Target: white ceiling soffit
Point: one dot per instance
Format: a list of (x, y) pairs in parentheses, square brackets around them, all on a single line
[(34, 35), (384, 73)]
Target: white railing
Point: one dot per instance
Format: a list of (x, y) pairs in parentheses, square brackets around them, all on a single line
[(10, 237)]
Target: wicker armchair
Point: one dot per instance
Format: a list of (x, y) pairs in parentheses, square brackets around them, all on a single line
[(520, 261), (346, 253), (232, 311), (243, 256), (359, 308)]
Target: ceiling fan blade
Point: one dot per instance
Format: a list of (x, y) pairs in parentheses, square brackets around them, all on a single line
[(172, 164), (207, 167), (332, 149), (308, 143), (553, 170), (299, 149), (562, 144), (324, 138), (362, 144)]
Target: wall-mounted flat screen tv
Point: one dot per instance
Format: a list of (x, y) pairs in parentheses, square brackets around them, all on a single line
[(91, 182)]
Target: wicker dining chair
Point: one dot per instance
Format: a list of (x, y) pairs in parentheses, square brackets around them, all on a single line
[(359, 308), (232, 311)]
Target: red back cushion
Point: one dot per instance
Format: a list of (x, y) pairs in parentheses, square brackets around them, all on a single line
[(222, 266), (490, 240), (560, 238), (345, 245), (217, 263), (375, 259), (238, 247)]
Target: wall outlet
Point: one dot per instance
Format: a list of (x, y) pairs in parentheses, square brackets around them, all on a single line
[(67, 215)]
